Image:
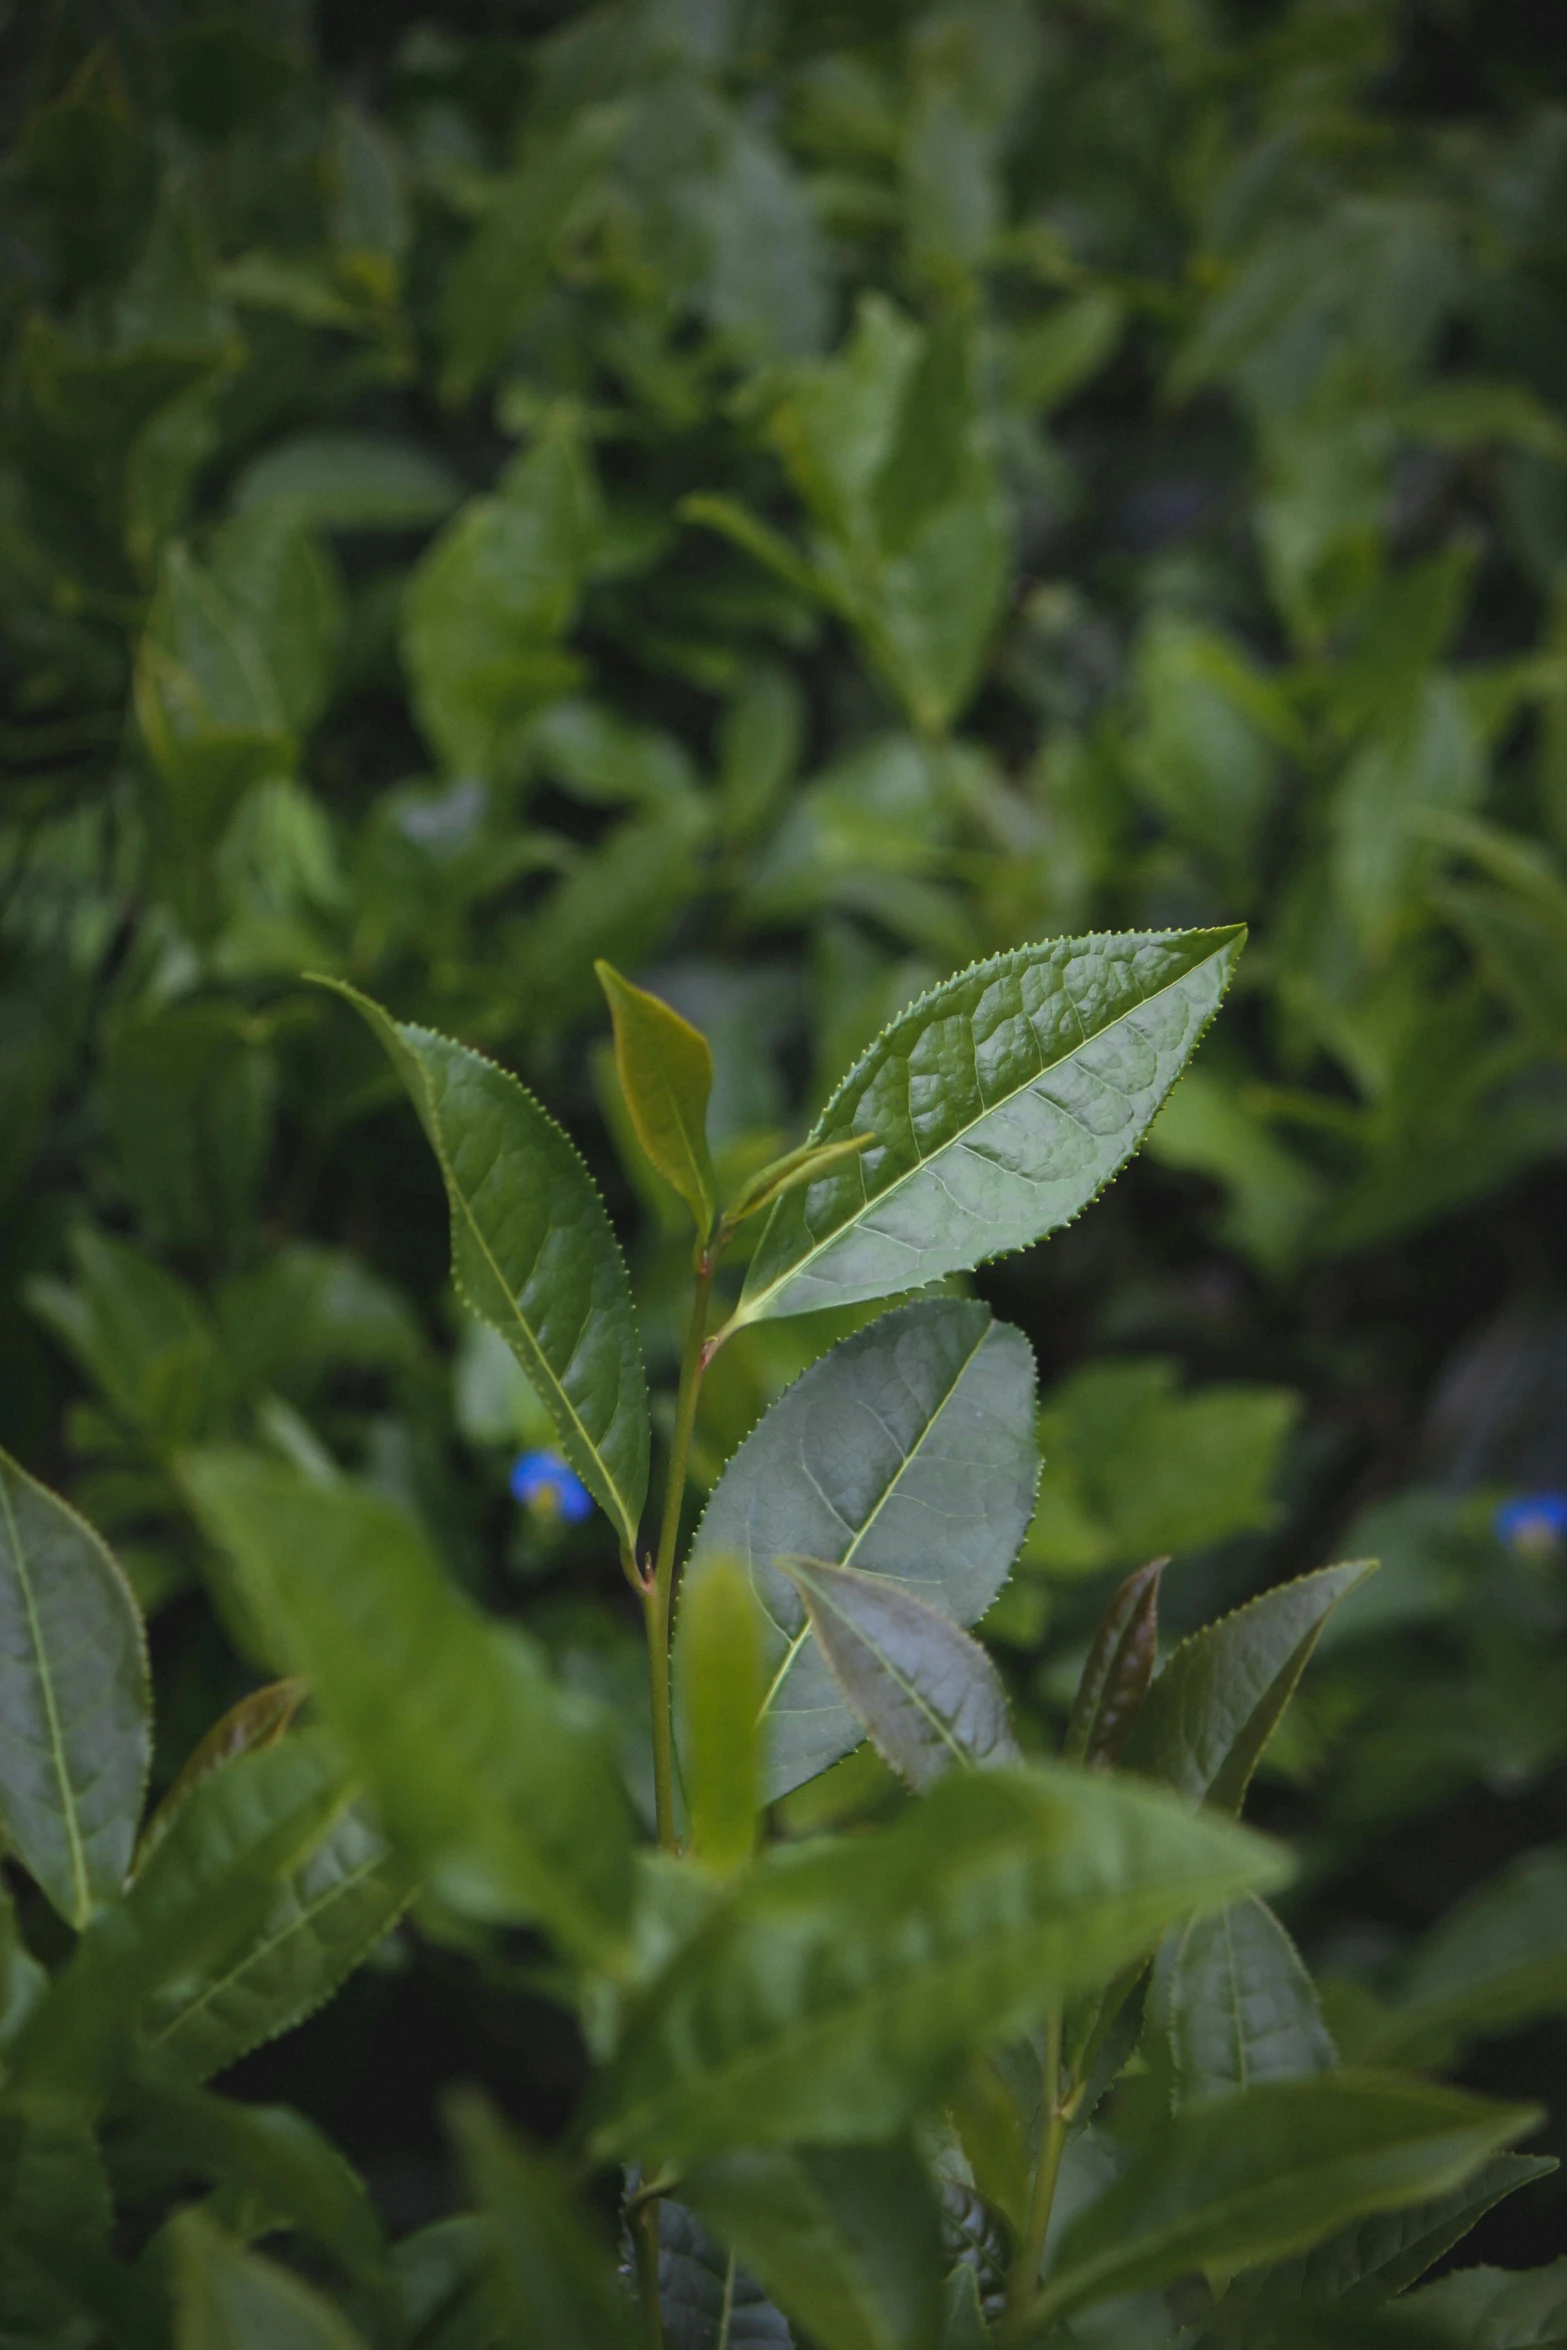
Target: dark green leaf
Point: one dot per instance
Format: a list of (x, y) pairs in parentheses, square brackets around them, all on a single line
[(351, 481), (1495, 1964), (441, 2278), (841, 1987), (533, 1254), (207, 702), (845, 2238), (707, 2299), (927, 1695), (1247, 2179), (666, 1075), (300, 2177), (75, 1702), (1238, 2005), (1001, 1103), (189, 1093), (1496, 2309), (501, 1786), (1210, 1713), (907, 1452), (226, 2299), (140, 1333), (1117, 1671), (554, 2281), (721, 1689), (258, 1720)]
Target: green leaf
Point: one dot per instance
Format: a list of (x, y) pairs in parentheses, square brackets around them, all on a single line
[(55, 2222), (666, 1074), (141, 1334), (1245, 2179), (963, 2324), (927, 1695), (533, 1254), (258, 1720), (207, 702), (488, 605), (189, 1094), (1117, 1670), (554, 2282), (1494, 1964), (325, 1917), (1238, 2006), (846, 2239), (441, 2279), (841, 1987), (907, 1452), (708, 2300), (197, 1903), (721, 1689), (226, 2299), (351, 481), (1382, 2256), (1001, 1103), (499, 1785), (75, 1701), (1210, 1713), (1496, 2308)]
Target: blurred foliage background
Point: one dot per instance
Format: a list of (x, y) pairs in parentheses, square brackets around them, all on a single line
[(794, 495)]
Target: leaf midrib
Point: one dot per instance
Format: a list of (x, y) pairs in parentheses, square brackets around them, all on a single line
[(79, 1878), (749, 1308), (909, 1689), (804, 1633)]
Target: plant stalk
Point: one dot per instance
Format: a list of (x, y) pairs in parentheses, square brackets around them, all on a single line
[(1024, 2280), (658, 1589)]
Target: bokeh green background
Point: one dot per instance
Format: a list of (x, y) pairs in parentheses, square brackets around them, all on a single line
[(793, 497)]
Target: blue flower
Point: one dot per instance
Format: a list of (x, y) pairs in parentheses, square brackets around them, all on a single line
[(549, 1490), (1535, 1523)]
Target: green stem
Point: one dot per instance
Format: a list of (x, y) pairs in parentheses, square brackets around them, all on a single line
[(644, 2229), (1024, 2280), (658, 1589)]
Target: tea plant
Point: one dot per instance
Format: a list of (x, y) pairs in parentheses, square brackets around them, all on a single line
[(1016, 2051)]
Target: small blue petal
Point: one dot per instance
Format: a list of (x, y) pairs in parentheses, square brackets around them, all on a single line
[(549, 1488), (1533, 1522)]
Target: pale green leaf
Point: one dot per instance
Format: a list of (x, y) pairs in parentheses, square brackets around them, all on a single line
[(842, 1986), (1001, 1103), (666, 1075), (75, 1701), (500, 1786), (1240, 2180), (721, 1690), (927, 1695), (533, 1254), (907, 1452), (226, 2299)]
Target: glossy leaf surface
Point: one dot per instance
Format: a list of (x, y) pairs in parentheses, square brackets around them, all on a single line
[(665, 1068), (907, 1452), (839, 1990), (1242, 2180), (533, 1254), (75, 1704), (1210, 1713), (927, 1695), (1238, 2005), (1001, 1103), (846, 2238), (501, 1786)]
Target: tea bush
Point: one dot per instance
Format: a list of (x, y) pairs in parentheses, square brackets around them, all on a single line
[(733, 605)]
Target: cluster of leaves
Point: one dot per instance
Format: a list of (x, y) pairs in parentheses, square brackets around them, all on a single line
[(791, 501)]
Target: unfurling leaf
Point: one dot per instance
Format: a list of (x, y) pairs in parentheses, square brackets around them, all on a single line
[(842, 1987), (805, 1165), (1001, 1103), (552, 2280), (1210, 1713), (533, 1253), (907, 1452), (721, 1689), (666, 1075), (846, 2239), (926, 1693), (1242, 2179), (75, 1704), (258, 1720), (1118, 1670)]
